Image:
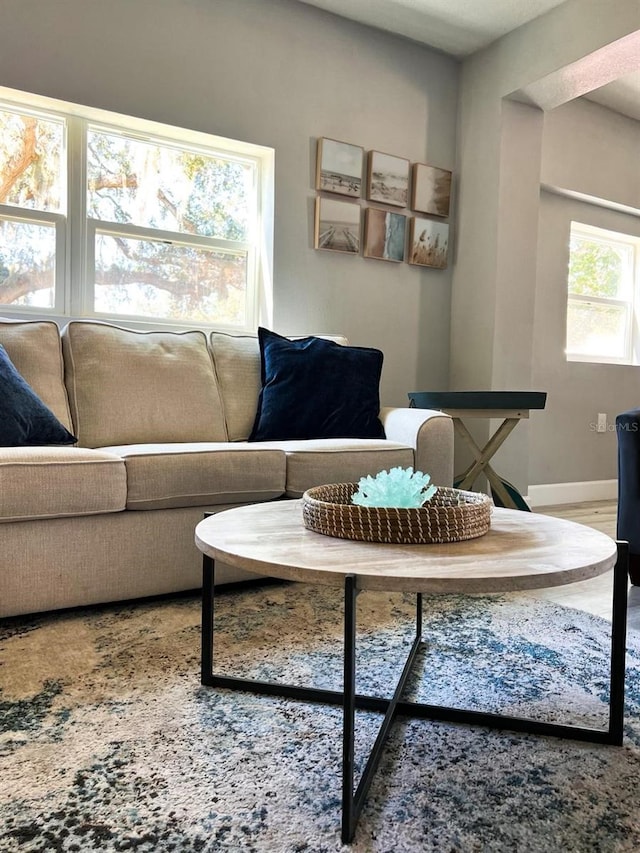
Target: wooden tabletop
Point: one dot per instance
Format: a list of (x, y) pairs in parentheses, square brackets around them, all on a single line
[(522, 550)]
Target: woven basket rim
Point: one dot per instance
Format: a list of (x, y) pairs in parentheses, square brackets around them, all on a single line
[(468, 498), (451, 515)]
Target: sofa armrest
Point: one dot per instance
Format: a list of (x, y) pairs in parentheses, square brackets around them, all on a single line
[(628, 435), (430, 433)]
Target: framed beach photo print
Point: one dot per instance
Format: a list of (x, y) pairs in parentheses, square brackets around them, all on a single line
[(431, 190), (384, 234), (428, 243), (388, 179), (337, 225), (339, 167)]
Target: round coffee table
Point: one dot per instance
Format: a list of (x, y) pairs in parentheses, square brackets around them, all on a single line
[(521, 551)]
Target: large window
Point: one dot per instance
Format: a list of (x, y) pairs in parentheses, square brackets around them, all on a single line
[(602, 302), (112, 217)]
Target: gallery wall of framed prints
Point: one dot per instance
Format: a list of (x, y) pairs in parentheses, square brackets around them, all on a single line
[(345, 223)]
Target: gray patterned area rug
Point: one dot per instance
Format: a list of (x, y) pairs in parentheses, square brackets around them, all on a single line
[(110, 743)]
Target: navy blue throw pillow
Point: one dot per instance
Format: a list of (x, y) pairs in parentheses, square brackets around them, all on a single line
[(24, 418), (312, 388)]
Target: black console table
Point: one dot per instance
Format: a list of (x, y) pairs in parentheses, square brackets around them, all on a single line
[(511, 406)]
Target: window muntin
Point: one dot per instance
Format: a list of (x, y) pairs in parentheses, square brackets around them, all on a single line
[(164, 225), (602, 283)]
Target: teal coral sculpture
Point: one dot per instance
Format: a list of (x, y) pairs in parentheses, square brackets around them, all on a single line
[(398, 487)]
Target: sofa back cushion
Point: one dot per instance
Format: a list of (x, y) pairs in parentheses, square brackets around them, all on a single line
[(128, 387), (237, 363), (24, 418), (35, 351), (238, 368)]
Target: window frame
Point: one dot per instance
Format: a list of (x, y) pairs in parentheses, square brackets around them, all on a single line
[(609, 237), (75, 231)]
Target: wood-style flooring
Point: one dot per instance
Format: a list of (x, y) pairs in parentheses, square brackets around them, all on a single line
[(593, 595)]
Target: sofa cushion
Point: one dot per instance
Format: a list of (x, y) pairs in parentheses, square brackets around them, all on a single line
[(24, 418), (34, 348), (313, 388), (52, 482), (237, 363), (127, 387), (161, 476), (322, 461)]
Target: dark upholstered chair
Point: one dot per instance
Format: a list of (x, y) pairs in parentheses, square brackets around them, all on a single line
[(628, 433)]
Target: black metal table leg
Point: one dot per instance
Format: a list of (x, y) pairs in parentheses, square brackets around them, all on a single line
[(618, 643), (352, 803), (349, 710), (611, 735), (206, 640)]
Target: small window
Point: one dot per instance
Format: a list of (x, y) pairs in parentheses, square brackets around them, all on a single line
[(114, 217), (601, 301)]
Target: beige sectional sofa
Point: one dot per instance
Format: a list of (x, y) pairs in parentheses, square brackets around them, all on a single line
[(162, 421)]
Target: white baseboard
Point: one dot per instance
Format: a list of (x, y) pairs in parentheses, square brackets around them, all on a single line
[(568, 493)]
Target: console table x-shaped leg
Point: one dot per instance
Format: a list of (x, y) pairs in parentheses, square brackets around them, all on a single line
[(483, 455), (510, 406)]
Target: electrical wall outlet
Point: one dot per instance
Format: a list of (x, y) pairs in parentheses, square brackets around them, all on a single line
[(602, 422)]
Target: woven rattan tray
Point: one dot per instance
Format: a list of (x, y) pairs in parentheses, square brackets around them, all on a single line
[(451, 515)]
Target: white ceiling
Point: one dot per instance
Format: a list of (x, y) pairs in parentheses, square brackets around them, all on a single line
[(457, 27), (461, 27)]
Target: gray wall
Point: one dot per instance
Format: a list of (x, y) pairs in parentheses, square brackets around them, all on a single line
[(590, 150), (504, 92), (276, 73)]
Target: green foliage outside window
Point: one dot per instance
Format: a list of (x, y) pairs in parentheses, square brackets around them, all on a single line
[(594, 269)]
